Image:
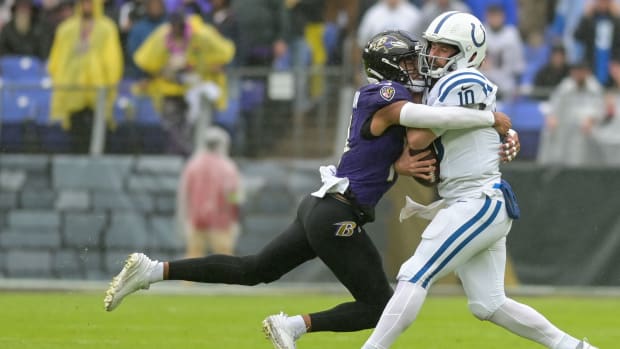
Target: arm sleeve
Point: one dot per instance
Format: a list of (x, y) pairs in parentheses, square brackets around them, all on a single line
[(423, 116)]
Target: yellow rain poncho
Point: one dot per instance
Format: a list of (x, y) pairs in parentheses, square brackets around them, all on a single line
[(76, 67), (206, 53)]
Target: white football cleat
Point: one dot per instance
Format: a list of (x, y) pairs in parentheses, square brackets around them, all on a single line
[(133, 277), (277, 331), (585, 345)]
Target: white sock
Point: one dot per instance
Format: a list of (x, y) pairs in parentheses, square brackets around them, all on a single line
[(527, 322), (400, 312), (157, 273), (568, 342), (297, 324)]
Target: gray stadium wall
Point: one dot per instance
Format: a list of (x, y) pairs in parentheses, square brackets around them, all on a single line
[(71, 217), (569, 231)]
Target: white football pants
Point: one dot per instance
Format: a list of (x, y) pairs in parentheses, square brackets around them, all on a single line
[(468, 237)]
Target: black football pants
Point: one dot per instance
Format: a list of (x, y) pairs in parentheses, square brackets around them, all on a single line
[(324, 228)]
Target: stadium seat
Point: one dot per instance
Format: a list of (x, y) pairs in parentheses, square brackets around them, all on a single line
[(124, 106), (228, 118), (537, 57), (17, 106), (527, 119), (145, 111), (252, 94), (21, 68)]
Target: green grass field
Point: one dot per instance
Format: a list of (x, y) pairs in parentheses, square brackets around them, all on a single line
[(149, 321)]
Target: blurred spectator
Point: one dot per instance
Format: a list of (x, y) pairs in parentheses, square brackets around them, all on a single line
[(129, 13), (504, 61), (179, 56), (533, 17), (224, 19), (566, 18), (510, 7), (599, 32), (111, 8), (5, 12), (265, 29), (550, 75), (86, 55), (576, 106), (209, 197), (608, 137), (433, 8), (196, 7), (388, 15), (614, 71), (155, 15), (55, 12), (537, 52), (307, 47), (24, 35), (307, 18), (343, 17)]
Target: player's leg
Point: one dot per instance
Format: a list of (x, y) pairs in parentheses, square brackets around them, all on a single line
[(399, 313), (483, 281), (347, 250), (281, 255), (454, 235), (351, 255)]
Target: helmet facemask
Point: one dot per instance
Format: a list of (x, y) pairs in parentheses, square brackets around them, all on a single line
[(411, 77), (430, 66), (393, 56), (460, 30)]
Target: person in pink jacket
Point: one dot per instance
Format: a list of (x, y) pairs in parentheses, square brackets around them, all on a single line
[(209, 197)]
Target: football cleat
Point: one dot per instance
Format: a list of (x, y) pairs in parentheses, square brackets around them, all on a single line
[(585, 345), (133, 277), (277, 331)]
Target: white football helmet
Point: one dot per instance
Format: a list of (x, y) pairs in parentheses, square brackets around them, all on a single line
[(459, 29)]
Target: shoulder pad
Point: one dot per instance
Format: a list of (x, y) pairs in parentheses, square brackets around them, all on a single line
[(464, 88)]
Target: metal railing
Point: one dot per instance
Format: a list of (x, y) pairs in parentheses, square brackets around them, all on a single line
[(270, 113)]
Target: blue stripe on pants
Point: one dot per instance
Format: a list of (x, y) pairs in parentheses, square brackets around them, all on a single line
[(498, 205), (460, 231)]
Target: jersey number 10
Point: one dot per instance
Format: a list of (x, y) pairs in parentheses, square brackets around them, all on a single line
[(466, 97)]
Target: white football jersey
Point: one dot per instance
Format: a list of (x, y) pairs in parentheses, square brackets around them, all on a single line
[(469, 160)]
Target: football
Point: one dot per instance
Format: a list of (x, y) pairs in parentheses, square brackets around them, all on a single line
[(435, 174)]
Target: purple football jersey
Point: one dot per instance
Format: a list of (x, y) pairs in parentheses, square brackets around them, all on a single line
[(367, 162)]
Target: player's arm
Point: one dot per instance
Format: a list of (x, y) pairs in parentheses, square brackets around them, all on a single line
[(423, 168), (420, 138), (474, 96), (414, 165), (422, 116)]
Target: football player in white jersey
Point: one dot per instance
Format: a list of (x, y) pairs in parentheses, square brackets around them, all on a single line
[(471, 221)]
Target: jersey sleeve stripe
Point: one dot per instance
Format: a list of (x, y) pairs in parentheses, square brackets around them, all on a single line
[(485, 87)]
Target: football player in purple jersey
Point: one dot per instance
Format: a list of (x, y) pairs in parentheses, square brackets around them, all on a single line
[(329, 223)]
